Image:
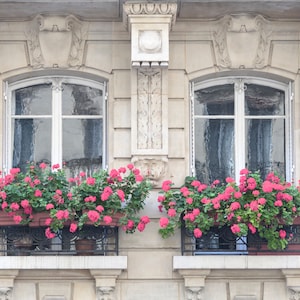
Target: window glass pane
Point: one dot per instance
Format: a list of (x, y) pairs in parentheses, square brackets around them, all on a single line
[(265, 146), (81, 100), (263, 100), (214, 149), (216, 100), (33, 100), (82, 145), (31, 141)]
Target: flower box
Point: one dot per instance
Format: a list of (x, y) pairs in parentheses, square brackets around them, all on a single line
[(253, 206), (101, 199), (38, 219)]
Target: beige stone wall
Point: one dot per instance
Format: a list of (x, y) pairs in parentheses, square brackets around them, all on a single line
[(197, 50)]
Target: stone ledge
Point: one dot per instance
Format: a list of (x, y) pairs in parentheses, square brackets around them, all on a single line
[(63, 262), (236, 262)]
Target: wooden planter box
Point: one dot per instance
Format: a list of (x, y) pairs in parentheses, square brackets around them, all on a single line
[(37, 221)]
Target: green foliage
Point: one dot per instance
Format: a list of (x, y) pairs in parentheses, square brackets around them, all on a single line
[(254, 205), (78, 201)]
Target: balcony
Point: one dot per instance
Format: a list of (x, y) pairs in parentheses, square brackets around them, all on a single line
[(31, 241)]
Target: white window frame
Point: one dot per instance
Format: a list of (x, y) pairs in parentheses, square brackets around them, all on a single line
[(56, 138), (239, 94)]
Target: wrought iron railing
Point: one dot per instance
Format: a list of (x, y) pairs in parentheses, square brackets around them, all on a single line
[(220, 240), (24, 240)]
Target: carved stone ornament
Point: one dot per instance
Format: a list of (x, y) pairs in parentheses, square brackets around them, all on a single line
[(294, 293), (242, 41), (133, 8), (105, 293), (149, 109), (56, 41), (155, 168), (194, 293), (6, 293), (150, 24)]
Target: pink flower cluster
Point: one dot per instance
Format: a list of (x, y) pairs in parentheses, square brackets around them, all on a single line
[(249, 206)]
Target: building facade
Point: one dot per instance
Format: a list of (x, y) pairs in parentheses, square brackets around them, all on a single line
[(156, 82)]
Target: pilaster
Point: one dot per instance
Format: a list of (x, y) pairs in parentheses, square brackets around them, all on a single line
[(149, 24)]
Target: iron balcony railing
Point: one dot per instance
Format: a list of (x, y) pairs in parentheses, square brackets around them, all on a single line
[(24, 240), (221, 241)]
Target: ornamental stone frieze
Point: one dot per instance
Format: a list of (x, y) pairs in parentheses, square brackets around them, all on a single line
[(149, 111), (56, 41), (149, 24), (242, 41)]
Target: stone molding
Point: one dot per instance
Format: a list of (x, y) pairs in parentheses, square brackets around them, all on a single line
[(242, 41), (146, 9), (56, 41)]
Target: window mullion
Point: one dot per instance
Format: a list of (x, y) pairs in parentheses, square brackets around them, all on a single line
[(240, 132), (56, 153)]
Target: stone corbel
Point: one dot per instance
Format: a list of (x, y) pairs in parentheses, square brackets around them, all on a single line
[(293, 283), (149, 24), (155, 168), (106, 283), (6, 284), (194, 283)]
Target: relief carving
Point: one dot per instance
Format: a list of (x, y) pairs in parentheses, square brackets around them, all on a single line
[(150, 41), (35, 51), (6, 293), (155, 168), (55, 41), (194, 293), (293, 293), (220, 42), (105, 293), (149, 109), (241, 41)]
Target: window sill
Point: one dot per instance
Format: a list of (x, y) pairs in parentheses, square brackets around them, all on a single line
[(236, 262), (64, 262)]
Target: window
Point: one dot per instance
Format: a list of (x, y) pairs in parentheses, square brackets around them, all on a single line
[(56, 120), (238, 123)]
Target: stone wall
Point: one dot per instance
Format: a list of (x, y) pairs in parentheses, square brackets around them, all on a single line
[(239, 44)]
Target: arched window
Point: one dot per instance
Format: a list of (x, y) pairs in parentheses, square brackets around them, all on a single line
[(241, 123), (56, 120)]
